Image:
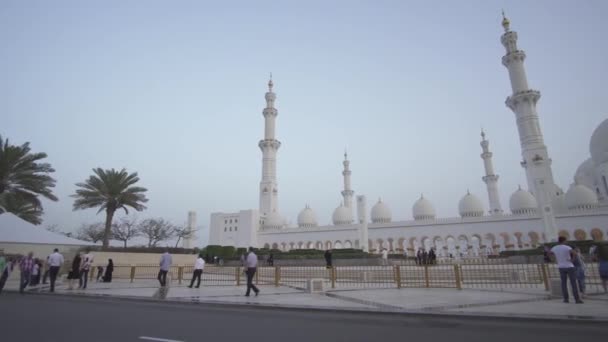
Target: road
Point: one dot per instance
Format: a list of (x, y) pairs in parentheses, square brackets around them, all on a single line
[(68, 319)]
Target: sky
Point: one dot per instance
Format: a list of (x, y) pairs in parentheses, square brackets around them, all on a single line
[(174, 90)]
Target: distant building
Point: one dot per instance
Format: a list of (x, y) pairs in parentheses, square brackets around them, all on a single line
[(538, 214)]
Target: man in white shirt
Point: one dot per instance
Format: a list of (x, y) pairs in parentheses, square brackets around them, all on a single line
[(564, 255), (199, 265), (251, 263), (87, 261), (54, 262), (384, 257)]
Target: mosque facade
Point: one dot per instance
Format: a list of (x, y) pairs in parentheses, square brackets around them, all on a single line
[(538, 214)]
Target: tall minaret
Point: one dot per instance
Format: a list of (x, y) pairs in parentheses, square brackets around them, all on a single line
[(536, 159), (347, 193), (490, 178), (269, 146)]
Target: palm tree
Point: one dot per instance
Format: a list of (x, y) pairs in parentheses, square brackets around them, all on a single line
[(22, 180), (110, 190)]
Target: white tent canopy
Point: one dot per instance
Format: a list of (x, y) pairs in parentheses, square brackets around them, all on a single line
[(16, 230)]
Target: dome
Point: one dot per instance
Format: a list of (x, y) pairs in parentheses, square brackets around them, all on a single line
[(273, 221), (381, 213), (585, 174), (470, 206), (522, 202), (307, 218), (423, 209), (598, 145), (559, 203), (342, 215), (580, 197)]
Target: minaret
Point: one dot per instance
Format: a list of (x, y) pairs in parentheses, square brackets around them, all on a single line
[(269, 146), (490, 178), (536, 159), (347, 193)]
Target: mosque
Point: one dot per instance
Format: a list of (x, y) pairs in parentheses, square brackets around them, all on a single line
[(538, 214)]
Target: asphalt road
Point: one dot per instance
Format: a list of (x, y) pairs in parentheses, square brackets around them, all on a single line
[(65, 319)]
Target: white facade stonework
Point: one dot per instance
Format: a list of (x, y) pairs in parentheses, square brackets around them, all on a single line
[(538, 214)]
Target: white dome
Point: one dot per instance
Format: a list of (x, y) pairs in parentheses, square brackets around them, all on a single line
[(598, 145), (580, 197), (585, 174), (307, 218), (470, 206), (559, 203), (342, 215), (273, 221), (381, 213), (423, 209), (522, 202)]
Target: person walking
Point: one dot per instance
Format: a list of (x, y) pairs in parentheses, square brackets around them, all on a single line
[(384, 257), (6, 267), (199, 265), (251, 264), (26, 265), (107, 277), (601, 253), (54, 262), (165, 264), (270, 260), (87, 261), (419, 257), (564, 255), (35, 277), (327, 256), (74, 274), (47, 270), (579, 271), (432, 256)]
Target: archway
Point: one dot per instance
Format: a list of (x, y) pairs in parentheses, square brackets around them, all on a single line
[(348, 244), (266, 246), (401, 245), (310, 245), (564, 233), (596, 234), (507, 241), (319, 245), (338, 245), (275, 246), (463, 243), (451, 244), (328, 245), (440, 251), (534, 239), (580, 235), (475, 245), (391, 247)]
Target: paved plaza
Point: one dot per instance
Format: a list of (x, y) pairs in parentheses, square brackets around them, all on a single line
[(513, 302)]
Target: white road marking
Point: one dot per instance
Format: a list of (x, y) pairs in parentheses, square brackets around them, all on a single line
[(157, 339)]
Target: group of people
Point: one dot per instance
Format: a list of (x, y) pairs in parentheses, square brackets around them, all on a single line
[(426, 258), (31, 270), (571, 266)]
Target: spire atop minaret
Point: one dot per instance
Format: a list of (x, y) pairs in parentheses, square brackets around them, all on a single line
[(505, 22), (270, 84), (490, 178)]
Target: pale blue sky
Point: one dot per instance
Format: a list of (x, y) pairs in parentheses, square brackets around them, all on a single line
[(175, 91)]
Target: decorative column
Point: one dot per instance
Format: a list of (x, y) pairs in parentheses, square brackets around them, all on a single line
[(491, 179), (536, 159), (269, 145)]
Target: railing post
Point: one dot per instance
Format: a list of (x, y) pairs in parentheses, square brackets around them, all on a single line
[(92, 272), (458, 277), (545, 276), (132, 272), (180, 274), (426, 276), (257, 275), (237, 274), (277, 275), (398, 276), (333, 275)]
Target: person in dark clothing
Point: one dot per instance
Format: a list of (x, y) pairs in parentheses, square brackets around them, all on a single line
[(425, 257), (419, 257), (270, 260), (75, 272), (328, 258), (107, 277), (432, 257)]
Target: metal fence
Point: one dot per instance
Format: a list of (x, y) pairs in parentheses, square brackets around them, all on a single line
[(458, 275)]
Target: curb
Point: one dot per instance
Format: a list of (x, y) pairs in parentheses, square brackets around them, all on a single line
[(386, 311)]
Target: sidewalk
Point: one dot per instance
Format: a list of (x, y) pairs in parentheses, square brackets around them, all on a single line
[(526, 303)]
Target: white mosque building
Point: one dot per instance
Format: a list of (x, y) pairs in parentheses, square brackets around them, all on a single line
[(539, 214)]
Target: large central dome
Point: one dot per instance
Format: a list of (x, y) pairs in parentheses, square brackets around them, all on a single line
[(598, 146)]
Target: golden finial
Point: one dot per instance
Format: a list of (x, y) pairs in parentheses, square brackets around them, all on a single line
[(270, 84), (505, 22)]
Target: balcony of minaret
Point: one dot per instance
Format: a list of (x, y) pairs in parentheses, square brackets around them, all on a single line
[(515, 56), (488, 178), (270, 112), (530, 96), (269, 143), (509, 41)]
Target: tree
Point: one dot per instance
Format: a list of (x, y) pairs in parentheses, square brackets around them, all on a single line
[(126, 230), (55, 229), (156, 230), (110, 190), (91, 232), (23, 179), (184, 232)]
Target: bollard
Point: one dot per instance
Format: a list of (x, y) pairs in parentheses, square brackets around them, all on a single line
[(237, 276), (180, 274), (398, 276), (333, 274), (458, 276), (426, 276), (545, 276), (277, 275), (132, 272)]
